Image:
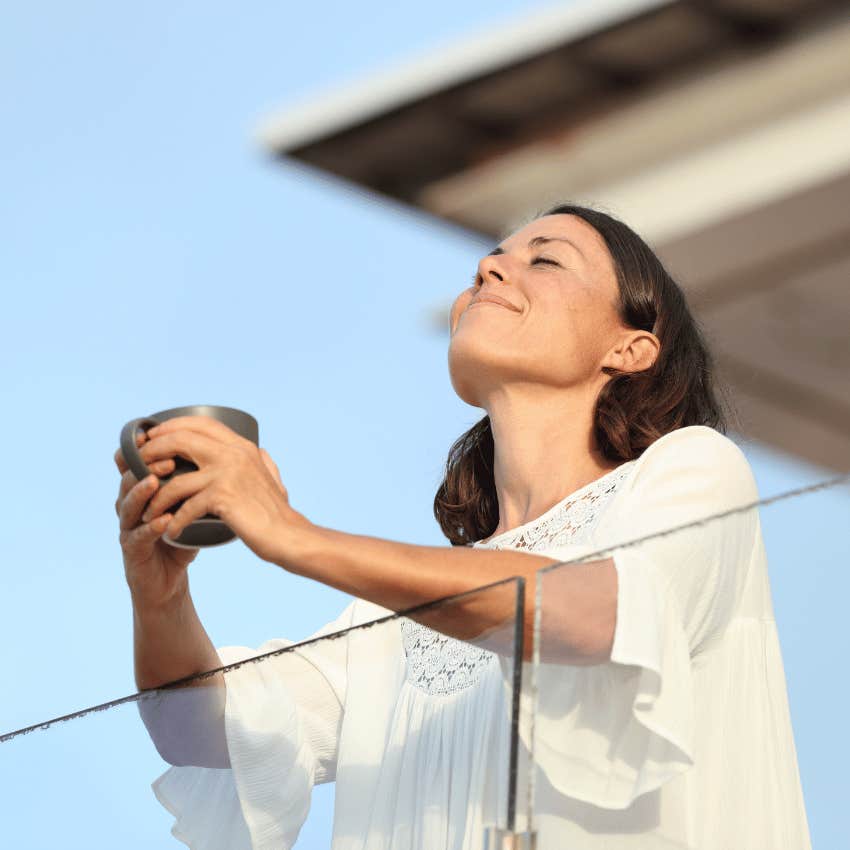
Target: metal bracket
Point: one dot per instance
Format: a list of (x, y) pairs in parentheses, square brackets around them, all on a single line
[(502, 839)]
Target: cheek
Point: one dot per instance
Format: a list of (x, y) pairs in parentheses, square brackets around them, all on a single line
[(565, 314), (569, 327), (581, 310)]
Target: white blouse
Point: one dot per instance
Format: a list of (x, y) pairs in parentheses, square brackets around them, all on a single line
[(683, 739)]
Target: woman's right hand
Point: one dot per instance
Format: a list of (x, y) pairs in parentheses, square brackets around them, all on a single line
[(155, 571)]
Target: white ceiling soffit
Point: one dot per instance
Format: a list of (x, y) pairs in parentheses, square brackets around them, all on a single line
[(328, 112), (736, 175), (694, 152)]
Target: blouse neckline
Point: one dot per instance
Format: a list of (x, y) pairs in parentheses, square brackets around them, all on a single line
[(556, 506)]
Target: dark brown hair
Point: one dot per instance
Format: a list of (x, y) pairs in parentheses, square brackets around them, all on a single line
[(632, 409)]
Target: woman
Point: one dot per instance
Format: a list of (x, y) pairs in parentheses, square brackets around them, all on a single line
[(662, 718)]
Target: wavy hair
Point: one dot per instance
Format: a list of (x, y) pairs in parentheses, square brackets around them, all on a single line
[(633, 409)]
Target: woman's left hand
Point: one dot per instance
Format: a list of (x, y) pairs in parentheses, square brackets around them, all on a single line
[(236, 481)]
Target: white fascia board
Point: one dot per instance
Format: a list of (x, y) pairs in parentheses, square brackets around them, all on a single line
[(323, 113), (743, 173), (693, 151)]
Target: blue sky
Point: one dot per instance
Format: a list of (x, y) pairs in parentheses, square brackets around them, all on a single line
[(141, 226)]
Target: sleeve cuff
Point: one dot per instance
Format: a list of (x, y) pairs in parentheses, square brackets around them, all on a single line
[(608, 733), (262, 801)]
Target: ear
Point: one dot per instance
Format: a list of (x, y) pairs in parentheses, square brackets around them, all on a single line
[(635, 351)]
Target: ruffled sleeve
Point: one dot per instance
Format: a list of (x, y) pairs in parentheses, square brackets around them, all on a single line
[(282, 721), (608, 733)]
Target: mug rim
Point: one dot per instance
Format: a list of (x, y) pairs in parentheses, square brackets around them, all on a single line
[(212, 406)]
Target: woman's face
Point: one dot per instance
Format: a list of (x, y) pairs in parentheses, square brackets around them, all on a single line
[(564, 319)]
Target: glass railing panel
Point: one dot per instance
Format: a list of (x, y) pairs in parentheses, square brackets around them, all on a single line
[(383, 730), (682, 685)]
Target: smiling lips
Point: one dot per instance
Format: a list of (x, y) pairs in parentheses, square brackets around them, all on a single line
[(493, 299)]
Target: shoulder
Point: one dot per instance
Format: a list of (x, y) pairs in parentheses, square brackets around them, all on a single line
[(700, 457), (694, 443), (700, 438), (686, 475)]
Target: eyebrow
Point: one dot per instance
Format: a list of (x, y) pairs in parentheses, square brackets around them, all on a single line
[(539, 240)]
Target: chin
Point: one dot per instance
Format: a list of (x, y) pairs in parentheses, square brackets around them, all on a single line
[(461, 372), (471, 369)]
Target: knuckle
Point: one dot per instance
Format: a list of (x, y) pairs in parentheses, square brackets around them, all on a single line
[(136, 534), (217, 503)]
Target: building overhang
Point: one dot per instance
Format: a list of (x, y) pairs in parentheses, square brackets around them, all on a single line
[(717, 130)]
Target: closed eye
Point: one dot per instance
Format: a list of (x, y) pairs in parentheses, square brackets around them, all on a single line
[(535, 260)]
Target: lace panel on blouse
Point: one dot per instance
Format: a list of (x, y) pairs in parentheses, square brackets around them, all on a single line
[(438, 664)]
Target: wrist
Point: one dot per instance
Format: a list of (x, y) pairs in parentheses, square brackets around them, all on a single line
[(145, 610), (298, 544)]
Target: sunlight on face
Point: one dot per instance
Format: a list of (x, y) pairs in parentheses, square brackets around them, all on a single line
[(558, 280)]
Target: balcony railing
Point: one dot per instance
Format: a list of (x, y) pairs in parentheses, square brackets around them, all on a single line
[(414, 730)]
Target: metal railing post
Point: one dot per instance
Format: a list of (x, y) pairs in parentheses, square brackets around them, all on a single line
[(502, 839)]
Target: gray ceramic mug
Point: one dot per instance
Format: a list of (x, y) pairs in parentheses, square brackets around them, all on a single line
[(209, 530)]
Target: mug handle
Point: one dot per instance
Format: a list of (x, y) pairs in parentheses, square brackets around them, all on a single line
[(129, 448)]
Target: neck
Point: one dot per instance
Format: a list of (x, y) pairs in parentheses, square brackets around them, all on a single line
[(543, 449)]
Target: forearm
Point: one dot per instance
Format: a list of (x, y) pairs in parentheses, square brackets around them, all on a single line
[(399, 576), (186, 724), (170, 644)]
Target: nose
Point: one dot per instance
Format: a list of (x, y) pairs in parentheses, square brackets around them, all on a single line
[(488, 269)]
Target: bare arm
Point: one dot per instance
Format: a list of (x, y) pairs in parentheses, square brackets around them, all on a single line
[(186, 724), (401, 575), (170, 643), (244, 489)]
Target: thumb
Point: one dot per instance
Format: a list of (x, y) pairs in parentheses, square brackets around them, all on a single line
[(272, 467)]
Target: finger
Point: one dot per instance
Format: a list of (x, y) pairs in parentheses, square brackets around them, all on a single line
[(130, 507), (120, 462), (179, 488), (129, 480), (130, 511), (189, 511), (198, 448), (205, 425), (145, 534)]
